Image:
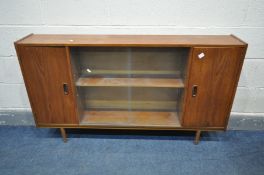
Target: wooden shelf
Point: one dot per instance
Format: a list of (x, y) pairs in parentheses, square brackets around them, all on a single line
[(131, 82), (130, 119), (132, 72), (131, 104)]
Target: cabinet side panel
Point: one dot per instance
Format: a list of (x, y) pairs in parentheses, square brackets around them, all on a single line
[(45, 70), (241, 54), (215, 76)]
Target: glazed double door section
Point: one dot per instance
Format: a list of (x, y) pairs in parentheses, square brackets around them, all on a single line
[(209, 85)]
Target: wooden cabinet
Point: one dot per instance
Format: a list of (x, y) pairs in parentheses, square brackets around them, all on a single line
[(162, 82)]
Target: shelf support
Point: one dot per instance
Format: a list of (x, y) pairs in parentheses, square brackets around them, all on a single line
[(63, 134), (197, 137)]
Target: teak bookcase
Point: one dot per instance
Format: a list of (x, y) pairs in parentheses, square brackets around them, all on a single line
[(143, 82)]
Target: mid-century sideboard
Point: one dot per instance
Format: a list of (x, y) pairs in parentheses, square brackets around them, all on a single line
[(141, 82)]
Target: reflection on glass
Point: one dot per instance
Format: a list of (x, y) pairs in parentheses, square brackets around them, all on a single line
[(129, 85)]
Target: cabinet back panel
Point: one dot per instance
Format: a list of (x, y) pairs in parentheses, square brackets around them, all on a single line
[(127, 98)]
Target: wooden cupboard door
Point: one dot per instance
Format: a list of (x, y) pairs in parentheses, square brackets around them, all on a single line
[(213, 78), (47, 76)]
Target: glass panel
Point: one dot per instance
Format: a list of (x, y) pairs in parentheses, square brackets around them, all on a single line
[(129, 86)]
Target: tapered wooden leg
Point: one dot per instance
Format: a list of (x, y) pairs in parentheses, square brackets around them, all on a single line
[(197, 137), (63, 134)]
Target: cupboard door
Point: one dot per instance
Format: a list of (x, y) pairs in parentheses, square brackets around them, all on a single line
[(47, 76), (212, 84)]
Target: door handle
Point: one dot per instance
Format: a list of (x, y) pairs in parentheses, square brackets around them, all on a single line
[(194, 90), (65, 88)]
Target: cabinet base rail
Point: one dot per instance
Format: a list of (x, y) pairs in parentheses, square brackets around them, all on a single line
[(196, 139)]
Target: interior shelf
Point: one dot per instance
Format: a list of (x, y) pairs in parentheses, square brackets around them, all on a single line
[(102, 72), (131, 118), (131, 82), (132, 105)]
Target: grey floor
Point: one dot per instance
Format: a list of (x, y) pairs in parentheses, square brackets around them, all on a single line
[(27, 150)]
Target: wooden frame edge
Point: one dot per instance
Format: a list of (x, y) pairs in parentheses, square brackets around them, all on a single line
[(131, 45), (189, 65), (73, 87), (17, 41), (234, 36), (74, 126)]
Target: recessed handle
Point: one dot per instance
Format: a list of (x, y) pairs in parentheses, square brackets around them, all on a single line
[(65, 88), (194, 90)]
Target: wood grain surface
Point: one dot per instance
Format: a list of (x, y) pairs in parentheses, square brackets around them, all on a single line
[(215, 75), (131, 82), (45, 70), (132, 40), (131, 118)]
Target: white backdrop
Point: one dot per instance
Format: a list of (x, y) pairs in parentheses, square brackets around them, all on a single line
[(244, 18)]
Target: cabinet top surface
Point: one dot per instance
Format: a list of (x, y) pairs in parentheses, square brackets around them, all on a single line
[(131, 40)]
